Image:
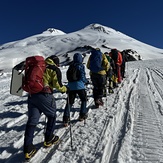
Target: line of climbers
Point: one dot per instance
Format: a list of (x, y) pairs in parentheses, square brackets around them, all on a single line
[(108, 66)]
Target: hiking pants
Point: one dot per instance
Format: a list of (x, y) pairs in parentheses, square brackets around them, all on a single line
[(110, 77), (118, 73), (99, 82), (37, 104), (71, 98), (123, 70)]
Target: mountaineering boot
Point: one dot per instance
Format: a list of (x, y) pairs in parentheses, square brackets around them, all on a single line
[(29, 151), (66, 121), (50, 141), (99, 102), (96, 105), (83, 116), (111, 90), (115, 85), (104, 93)]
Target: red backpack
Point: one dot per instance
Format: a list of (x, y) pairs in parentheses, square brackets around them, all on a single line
[(34, 69)]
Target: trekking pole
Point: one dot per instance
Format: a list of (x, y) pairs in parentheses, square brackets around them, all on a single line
[(126, 69), (87, 111), (45, 125), (68, 104), (106, 91)]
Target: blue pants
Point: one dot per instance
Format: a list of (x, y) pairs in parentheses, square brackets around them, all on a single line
[(72, 95), (37, 104)]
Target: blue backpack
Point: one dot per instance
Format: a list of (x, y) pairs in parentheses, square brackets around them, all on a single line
[(96, 60)]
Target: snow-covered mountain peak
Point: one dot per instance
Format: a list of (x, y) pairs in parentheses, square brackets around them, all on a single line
[(101, 28), (54, 41), (54, 31)]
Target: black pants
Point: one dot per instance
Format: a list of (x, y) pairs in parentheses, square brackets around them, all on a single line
[(72, 95), (99, 82), (123, 70)]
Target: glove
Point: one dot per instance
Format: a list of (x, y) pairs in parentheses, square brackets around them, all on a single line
[(64, 89), (68, 89)]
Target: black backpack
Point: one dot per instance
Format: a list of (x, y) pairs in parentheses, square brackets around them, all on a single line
[(114, 55), (73, 73)]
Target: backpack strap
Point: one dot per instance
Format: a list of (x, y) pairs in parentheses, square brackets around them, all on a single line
[(58, 72)]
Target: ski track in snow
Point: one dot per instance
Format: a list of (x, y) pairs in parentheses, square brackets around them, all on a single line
[(132, 115), (146, 133)]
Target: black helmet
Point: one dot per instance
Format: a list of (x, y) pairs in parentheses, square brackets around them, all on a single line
[(55, 59)]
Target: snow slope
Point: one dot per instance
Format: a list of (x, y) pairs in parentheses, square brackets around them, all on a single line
[(128, 129), (62, 44)]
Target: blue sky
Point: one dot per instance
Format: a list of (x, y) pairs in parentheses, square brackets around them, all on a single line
[(141, 19)]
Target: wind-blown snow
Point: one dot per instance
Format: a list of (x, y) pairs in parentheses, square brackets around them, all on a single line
[(128, 129)]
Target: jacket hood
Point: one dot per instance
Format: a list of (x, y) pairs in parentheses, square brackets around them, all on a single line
[(50, 61), (77, 58), (55, 59)]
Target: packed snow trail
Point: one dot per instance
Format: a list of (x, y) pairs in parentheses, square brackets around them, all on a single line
[(145, 136), (128, 130)]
